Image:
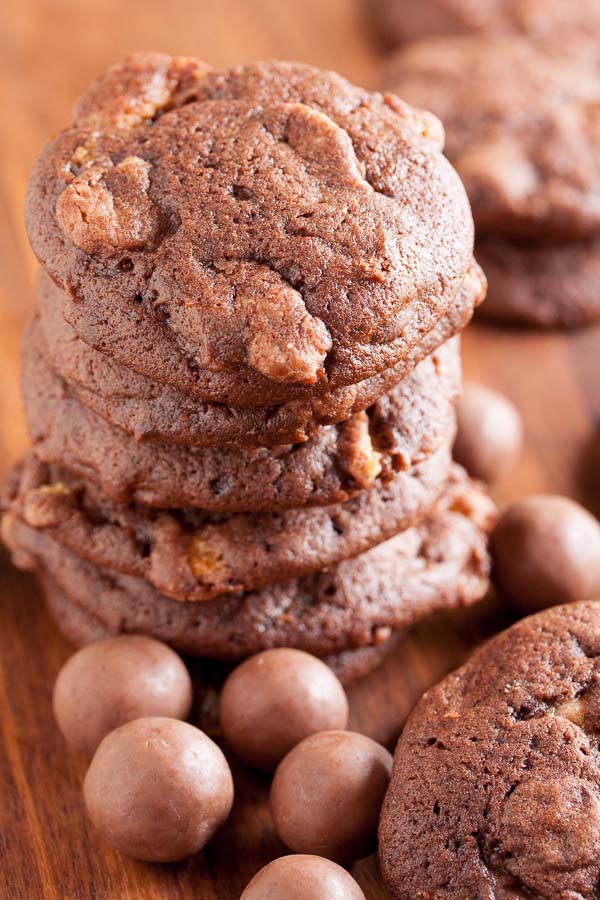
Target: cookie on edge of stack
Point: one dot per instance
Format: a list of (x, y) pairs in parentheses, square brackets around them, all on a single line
[(241, 376), (523, 131)]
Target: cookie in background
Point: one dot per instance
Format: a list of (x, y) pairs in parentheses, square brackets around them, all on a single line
[(523, 131)]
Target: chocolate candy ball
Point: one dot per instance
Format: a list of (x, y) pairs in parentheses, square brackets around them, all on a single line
[(546, 550), (112, 682), (490, 432), (327, 793), (303, 878), (275, 699), (158, 789)]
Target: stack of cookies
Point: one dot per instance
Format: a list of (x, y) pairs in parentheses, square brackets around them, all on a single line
[(240, 378), (523, 132)]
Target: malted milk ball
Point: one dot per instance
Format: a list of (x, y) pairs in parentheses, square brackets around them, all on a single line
[(327, 794), (111, 682), (273, 700), (545, 551), (157, 789), (302, 878), (490, 432)]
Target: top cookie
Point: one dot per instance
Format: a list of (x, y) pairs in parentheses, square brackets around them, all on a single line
[(274, 223), (522, 128), (405, 20), (495, 791)]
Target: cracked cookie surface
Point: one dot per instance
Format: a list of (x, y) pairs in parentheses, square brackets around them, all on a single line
[(496, 784), (278, 230)]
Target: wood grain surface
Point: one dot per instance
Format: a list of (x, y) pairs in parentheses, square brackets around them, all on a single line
[(49, 50)]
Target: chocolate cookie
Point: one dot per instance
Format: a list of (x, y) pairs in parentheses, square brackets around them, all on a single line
[(439, 564), (151, 411), (522, 129), (405, 20), (495, 789), (191, 555), (82, 627), (258, 234), (400, 430), (548, 285)]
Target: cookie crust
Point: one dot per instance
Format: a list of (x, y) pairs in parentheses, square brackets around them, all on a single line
[(400, 430), (402, 20), (154, 412), (82, 627)]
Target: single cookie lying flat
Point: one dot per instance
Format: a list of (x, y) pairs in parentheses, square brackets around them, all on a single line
[(82, 627), (496, 784), (150, 410), (268, 229)]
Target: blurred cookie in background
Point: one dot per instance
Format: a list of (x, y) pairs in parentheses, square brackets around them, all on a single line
[(522, 129), (396, 21)]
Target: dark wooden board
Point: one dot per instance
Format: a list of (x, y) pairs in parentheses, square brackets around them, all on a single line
[(49, 50)]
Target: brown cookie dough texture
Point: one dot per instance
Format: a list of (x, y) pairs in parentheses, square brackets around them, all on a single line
[(191, 556), (495, 787), (79, 626), (523, 130), (402, 428), (151, 411), (442, 563), (404, 20), (271, 230)]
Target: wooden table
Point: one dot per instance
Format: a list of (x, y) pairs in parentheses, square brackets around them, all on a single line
[(49, 50)]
